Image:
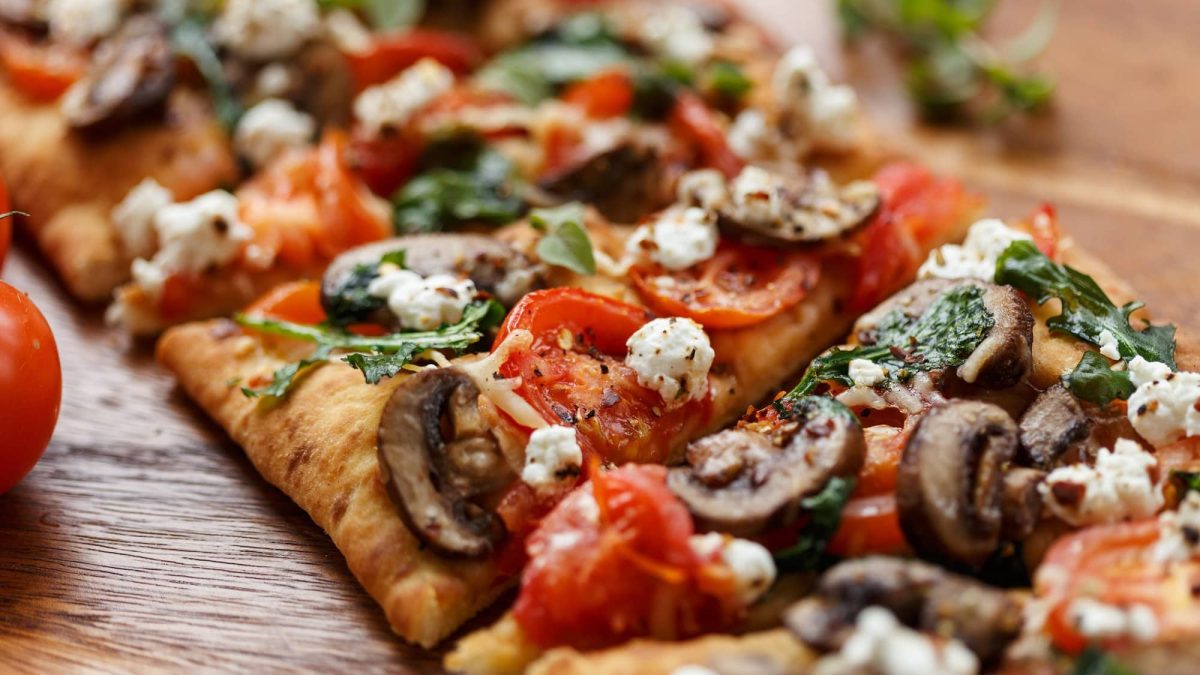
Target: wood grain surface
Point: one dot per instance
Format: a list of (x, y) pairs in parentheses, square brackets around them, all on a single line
[(144, 541)]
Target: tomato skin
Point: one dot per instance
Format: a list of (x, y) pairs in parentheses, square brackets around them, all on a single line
[(384, 163), (692, 120), (544, 313), (881, 466), (30, 385), (1043, 226), (626, 569), (5, 222), (604, 96), (869, 525), (390, 54), (296, 301), (42, 72), (739, 286)]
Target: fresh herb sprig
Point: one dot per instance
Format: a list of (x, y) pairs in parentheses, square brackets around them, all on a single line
[(564, 241), (950, 65), (377, 356), (825, 514), (1095, 381), (463, 182)]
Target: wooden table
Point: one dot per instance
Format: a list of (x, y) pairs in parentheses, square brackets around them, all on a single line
[(145, 540)]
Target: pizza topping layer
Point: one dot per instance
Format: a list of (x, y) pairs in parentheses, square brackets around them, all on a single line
[(134, 217), (677, 34), (880, 644), (976, 257), (270, 128), (422, 303), (1120, 485), (672, 356), (813, 110), (1163, 408), (388, 107), (677, 239), (1096, 620), (1179, 536), (262, 30), (192, 238), (553, 460), (82, 22), (750, 563)]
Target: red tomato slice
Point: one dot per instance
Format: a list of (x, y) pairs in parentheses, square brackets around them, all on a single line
[(296, 301), (693, 121), (612, 562), (869, 525), (885, 448), (390, 54), (30, 385), (605, 95), (383, 162), (43, 72), (575, 374), (1042, 225), (739, 286)]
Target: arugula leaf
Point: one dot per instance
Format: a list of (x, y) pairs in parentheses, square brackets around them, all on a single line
[(1185, 482), (1094, 380), (1086, 309), (381, 355), (189, 39), (480, 186), (728, 81), (825, 514), (565, 242), (383, 14), (942, 337), (352, 302), (1095, 661)]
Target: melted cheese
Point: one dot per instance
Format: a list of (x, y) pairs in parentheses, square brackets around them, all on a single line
[(500, 391)]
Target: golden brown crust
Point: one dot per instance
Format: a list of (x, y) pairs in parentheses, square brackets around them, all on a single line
[(773, 652), (318, 446), (69, 184)]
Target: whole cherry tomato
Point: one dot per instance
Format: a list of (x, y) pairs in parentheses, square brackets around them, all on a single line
[(30, 385)]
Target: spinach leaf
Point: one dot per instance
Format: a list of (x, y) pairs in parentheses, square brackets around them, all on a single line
[(384, 355), (1095, 661), (1185, 482), (727, 81), (565, 242), (189, 39), (383, 14), (1094, 380), (477, 185), (825, 514), (352, 302), (942, 337), (1086, 309)]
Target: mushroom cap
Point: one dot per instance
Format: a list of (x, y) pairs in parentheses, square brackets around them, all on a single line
[(812, 210), (1053, 423), (951, 480), (624, 182), (437, 456)]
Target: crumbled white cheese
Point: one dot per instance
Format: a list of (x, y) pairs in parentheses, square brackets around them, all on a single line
[(1101, 621), (751, 137), (677, 33), (269, 129), (347, 32), (757, 196), (1108, 345), (751, 564), (1165, 407), (813, 109), (274, 80), (866, 373), (859, 396), (392, 104), (677, 239), (1179, 532), (881, 644), (1119, 487), (262, 30), (192, 237), (976, 257), (672, 356), (82, 22), (422, 303), (705, 188), (552, 459), (134, 217), (694, 669)]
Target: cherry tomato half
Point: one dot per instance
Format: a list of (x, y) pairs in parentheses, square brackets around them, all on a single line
[(389, 54), (693, 121), (296, 301), (30, 385), (603, 96), (42, 72)]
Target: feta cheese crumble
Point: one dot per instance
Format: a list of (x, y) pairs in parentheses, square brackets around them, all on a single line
[(134, 217), (262, 30), (751, 564), (422, 303), (751, 137), (82, 22), (391, 105), (1101, 621), (866, 373), (881, 644), (1108, 345), (812, 108), (1164, 407), (672, 356), (1179, 532), (694, 669), (976, 257), (270, 128), (678, 34), (552, 459), (193, 237), (677, 239), (1118, 487)]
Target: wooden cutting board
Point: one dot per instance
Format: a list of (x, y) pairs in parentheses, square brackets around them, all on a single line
[(145, 541)]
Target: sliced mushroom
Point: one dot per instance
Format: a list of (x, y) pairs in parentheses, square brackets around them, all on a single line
[(742, 481), (494, 266), (625, 182), (325, 86), (132, 73), (809, 209), (1053, 423), (1004, 356), (920, 595), (951, 481), (1020, 503), (437, 458)]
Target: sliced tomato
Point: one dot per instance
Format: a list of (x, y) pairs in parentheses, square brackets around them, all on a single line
[(1042, 225), (603, 96), (296, 301), (919, 210), (612, 562), (739, 286), (885, 448), (575, 374), (391, 53), (869, 525), (693, 121), (384, 162), (41, 71)]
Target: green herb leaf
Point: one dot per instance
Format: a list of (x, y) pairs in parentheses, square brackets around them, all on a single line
[(1093, 380), (825, 514), (728, 81), (353, 303), (565, 242), (1087, 310), (1095, 661), (1185, 482), (383, 14), (942, 337), (189, 38), (400, 348), (480, 186)]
